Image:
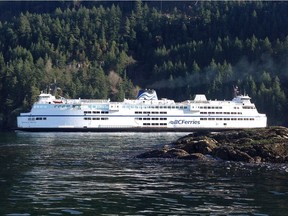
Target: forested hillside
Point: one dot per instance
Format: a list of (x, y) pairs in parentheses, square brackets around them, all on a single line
[(110, 49)]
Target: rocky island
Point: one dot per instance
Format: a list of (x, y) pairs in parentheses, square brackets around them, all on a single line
[(248, 145)]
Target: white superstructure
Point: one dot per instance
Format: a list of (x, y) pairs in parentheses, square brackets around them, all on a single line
[(146, 113)]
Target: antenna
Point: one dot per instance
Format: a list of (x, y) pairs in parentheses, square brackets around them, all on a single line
[(236, 91), (53, 88)]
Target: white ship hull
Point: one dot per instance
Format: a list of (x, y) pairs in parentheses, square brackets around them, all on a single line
[(141, 115)]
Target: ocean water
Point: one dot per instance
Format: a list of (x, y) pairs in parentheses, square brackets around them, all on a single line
[(98, 174)]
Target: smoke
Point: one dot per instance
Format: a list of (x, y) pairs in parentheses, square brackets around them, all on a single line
[(239, 72), (178, 82)]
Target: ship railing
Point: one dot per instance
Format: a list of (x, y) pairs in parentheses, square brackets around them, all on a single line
[(163, 101), (78, 101), (197, 102), (94, 101), (73, 101)]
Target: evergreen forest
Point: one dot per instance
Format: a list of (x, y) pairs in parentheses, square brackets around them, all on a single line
[(98, 49)]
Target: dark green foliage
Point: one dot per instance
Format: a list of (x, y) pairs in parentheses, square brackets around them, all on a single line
[(104, 49)]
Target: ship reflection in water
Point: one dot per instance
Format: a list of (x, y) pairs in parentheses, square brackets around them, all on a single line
[(93, 173)]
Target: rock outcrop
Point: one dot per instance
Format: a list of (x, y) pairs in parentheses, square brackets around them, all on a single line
[(249, 145)]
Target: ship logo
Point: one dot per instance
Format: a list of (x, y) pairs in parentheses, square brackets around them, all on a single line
[(184, 122), (147, 95)]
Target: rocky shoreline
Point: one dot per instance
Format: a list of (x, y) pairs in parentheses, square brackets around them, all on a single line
[(249, 145)]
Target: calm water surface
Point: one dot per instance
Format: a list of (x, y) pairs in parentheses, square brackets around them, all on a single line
[(98, 174)]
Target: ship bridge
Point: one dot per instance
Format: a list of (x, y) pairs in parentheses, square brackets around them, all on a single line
[(200, 98), (45, 98), (245, 99)]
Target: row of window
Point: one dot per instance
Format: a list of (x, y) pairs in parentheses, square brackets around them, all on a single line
[(202, 119), (37, 118), (74, 106), (44, 118), (154, 123), (148, 112), (217, 107), (141, 107), (151, 119), (67, 106), (98, 106), (95, 118), (228, 119), (96, 112), (210, 107), (248, 107), (226, 113), (40, 106), (153, 107)]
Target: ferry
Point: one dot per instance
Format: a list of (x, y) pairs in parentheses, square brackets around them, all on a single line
[(147, 113)]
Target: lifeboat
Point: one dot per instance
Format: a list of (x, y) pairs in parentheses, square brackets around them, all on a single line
[(57, 101)]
